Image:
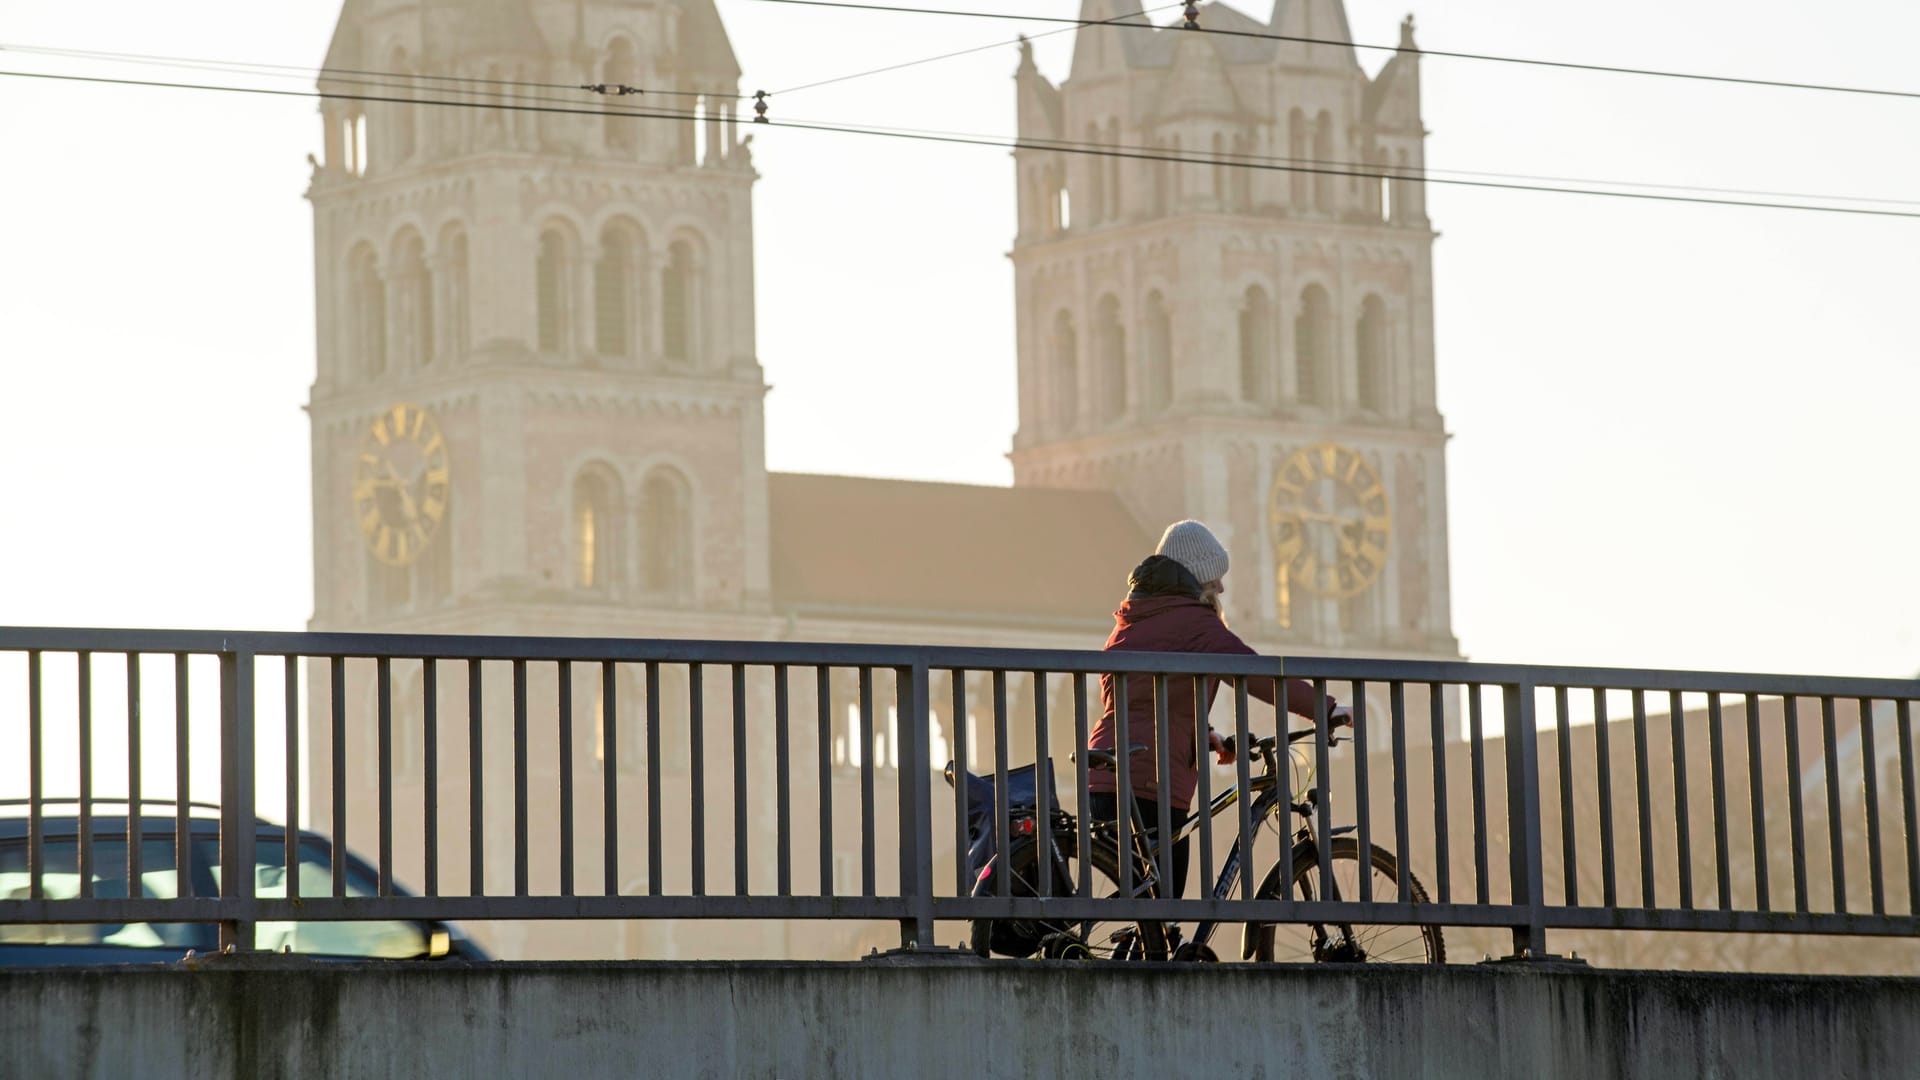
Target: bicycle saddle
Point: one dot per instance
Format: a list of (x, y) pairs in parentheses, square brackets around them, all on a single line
[(1106, 759)]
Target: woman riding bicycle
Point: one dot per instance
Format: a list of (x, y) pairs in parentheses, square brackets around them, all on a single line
[(1173, 605)]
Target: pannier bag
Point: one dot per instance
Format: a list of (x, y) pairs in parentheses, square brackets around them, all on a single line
[(1033, 843)]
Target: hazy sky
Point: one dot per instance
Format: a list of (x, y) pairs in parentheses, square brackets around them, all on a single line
[(1683, 435)]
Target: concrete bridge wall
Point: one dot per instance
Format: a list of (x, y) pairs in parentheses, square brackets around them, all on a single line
[(275, 1017)]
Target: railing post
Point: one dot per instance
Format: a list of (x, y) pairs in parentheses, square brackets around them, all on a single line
[(237, 832), (916, 806), (1523, 821)]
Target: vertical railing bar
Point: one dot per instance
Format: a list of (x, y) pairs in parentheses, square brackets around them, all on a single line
[(476, 783), (962, 883), (83, 733), (1323, 773), (1869, 768), (1363, 792), (1203, 768), (383, 769), (1717, 749), (520, 824), (1603, 754), (823, 716), (182, 833), (1043, 788), (1477, 748), (782, 784), (1002, 805), (239, 834), (1084, 849), (1796, 813), (1243, 773), (867, 764), (1757, 803), (741, 884), (1569, 848), (1903, 727), (563, 749), (1643, 787), (337, 734), (36, 782), (430, 771), (914, 713), (135, 826), (1682, 828), (1281, 727), (1122, 783), (655, 827), (1163, 790), (1525, 855), (697, 757), (292, 765), (1402, 840), (1442, 853), (1836, 839), (609, 778)]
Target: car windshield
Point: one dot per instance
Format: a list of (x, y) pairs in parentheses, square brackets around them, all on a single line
[(61, 880)]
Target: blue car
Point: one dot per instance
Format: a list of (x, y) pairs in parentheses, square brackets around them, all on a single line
[(52, 944)]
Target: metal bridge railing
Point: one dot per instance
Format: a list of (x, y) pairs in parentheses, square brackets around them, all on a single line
[(570, 778)]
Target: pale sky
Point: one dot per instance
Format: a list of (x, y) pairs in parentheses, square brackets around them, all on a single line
[(1683, 435)]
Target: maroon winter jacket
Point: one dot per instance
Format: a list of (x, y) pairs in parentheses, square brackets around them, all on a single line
[(1172, 624)]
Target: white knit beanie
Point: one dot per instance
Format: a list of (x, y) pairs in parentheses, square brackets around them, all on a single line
[(1193, 546)]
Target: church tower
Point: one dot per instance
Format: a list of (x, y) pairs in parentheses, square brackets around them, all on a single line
[(1251, 346), (538, 404)]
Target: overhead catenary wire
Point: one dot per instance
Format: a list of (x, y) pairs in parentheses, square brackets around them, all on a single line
[(384, 80), (1570, 65), (987, 141)]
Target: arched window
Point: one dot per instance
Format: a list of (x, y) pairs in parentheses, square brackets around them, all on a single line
[(1240, 180), (413, 292), (550, 291), (367, 300), (1115, 208), (1313, 348), (1323, 151), (1371, 352), (596, 528), (1066, 373), (400, 130), (1159, 352), (1256, 345), (1162, 179), (679, 304), (612, 294), (1110, 345), (621, 132), (624, 727), (666, 527), (455, 292), (1299, 144)]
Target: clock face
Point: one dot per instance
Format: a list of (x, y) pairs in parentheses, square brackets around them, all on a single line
[(400, 484), (1328, 513)]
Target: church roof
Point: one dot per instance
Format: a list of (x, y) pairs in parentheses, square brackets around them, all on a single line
[(902, 548), (704, 39)]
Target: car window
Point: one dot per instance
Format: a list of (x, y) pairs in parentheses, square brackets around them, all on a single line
[(60, 879)]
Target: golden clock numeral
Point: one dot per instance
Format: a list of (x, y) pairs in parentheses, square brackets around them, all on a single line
[(432, 508), (1329, 456), (434, 447), (437, 476), (1354, 467)]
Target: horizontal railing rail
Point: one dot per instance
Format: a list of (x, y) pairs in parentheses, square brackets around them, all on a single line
[(511, 778)]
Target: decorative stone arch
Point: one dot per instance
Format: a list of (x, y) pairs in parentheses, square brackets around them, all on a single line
[(620, 270), (1323, 151), (596, 527), (1156, 346), (452, 260), (685, 278), (410, 307), (1063, 388), (1315, 373), (365, 292), (666, 507), (1109, 361), (556, 254), (1254, 340), (1373, 365), (399, 142), (620, 63)]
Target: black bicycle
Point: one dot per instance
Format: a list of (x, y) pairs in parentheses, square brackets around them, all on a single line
[(1273, 794)]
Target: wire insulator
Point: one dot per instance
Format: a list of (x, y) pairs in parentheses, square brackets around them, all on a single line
[(617, 89), (1193, 16), (760, 107)]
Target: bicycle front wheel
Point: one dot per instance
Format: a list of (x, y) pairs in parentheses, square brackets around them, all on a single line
[(1373, 943)]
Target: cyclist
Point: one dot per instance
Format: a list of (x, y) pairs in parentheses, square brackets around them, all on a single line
[(1173, 605)]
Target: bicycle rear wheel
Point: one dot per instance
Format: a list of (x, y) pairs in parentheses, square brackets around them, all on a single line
[(1387, 943), (1065, 939), (1120, 939)]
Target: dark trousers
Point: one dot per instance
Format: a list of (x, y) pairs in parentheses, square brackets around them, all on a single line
[(1104, 806)]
